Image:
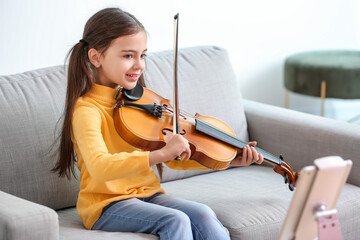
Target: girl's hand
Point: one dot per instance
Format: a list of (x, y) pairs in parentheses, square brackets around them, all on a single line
[(249, 156), (177, 145)]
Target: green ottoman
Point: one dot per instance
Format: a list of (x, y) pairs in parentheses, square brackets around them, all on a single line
[(333, 74)]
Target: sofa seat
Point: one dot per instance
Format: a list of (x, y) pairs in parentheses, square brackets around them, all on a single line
[(251, 202), (71, 228)]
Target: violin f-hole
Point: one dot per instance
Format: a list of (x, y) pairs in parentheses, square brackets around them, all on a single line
[(163, 131)]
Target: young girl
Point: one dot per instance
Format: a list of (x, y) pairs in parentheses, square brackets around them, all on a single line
[(119, 190)]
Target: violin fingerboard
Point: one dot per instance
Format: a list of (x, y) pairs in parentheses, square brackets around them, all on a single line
[(216, 133)]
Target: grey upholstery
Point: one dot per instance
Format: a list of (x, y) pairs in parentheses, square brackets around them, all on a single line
[(31, 104), (251, 202)]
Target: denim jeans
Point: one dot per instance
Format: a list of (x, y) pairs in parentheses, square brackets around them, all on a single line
[(169, 217)]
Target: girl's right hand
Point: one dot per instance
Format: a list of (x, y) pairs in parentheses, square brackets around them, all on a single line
[(177, 145)]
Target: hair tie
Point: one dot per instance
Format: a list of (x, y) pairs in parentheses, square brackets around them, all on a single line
[(84, 42)]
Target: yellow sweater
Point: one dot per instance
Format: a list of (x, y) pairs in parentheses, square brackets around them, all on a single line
[(110, 168)]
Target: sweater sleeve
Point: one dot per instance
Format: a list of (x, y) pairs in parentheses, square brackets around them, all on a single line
[(91, 147)]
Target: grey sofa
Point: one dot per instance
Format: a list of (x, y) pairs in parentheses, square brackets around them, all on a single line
[(251, 201)]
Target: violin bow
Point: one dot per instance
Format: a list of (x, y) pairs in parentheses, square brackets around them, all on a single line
[(176, 124)]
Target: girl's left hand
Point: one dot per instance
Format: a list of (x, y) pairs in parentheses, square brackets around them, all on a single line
[(249, 156)]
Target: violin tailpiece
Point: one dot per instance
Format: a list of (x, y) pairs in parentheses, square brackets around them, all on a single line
[(153, 109)]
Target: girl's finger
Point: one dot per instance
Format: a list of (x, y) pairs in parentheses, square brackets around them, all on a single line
[(250, 155), (244, 154), (253, 143), (261, 159), (188, 153), (254, 154)]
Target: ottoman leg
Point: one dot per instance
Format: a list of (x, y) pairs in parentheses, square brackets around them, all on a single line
[(287, 98), (323, 96)]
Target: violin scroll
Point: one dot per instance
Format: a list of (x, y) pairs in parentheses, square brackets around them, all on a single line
[(289, 176)]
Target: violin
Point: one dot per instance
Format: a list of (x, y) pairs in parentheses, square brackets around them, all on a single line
[(212, 142)]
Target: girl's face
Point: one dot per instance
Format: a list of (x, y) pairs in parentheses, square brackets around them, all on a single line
[(123, 62)]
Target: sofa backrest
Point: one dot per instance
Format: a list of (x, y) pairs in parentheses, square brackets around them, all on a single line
[(32, 103)]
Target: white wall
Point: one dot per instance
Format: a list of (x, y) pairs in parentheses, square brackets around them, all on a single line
[(259, 35)]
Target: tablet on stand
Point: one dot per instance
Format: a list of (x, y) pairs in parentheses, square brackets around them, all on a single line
[(312, 213)]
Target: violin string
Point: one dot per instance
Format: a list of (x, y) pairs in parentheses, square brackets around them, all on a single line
[(182, 113)]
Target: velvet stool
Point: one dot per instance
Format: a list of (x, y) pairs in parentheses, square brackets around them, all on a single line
[(325, 74)]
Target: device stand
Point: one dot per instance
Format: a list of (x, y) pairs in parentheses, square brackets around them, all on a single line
[(328, 224), (312, 213)]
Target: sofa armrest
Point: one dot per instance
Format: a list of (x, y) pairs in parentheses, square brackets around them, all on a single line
[(22, 219), (301, 138)]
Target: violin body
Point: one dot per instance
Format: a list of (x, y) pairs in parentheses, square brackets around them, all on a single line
[(147, 131)]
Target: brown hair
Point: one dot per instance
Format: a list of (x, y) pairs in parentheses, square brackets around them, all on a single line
[(100, 30)]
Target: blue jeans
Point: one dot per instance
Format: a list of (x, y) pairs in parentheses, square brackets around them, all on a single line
[(163, 215)]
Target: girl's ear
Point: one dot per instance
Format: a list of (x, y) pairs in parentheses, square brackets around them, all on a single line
[(94, 57)]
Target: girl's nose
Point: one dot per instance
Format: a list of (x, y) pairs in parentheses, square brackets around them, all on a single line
[(139, 63)]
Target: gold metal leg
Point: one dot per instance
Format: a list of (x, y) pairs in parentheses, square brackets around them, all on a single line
[(323, 96), (287, 98)]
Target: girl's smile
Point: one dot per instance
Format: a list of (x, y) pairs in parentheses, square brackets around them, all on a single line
[(133, 77)]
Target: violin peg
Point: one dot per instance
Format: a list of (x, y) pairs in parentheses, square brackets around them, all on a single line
[(281, 157), (286, 178), (291, 186)]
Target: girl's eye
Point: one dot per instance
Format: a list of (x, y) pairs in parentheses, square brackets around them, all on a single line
[(143, 55), (128, 56)]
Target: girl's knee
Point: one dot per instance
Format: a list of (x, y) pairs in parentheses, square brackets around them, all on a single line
[(176, 226), (205, 212), (180, 219)]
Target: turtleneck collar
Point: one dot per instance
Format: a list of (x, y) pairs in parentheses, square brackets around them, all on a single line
[(103, 93)]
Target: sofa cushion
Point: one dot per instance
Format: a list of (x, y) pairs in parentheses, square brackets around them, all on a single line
[(31, 105), (252, 202), (22, 219), (207, 85), (71, 228)]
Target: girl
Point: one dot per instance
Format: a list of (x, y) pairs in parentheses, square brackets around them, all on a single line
[(119, 190)]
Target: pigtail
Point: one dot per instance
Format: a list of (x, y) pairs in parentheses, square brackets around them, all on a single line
[(79, 81)]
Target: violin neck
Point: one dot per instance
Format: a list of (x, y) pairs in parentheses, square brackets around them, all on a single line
[(211, 131)]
